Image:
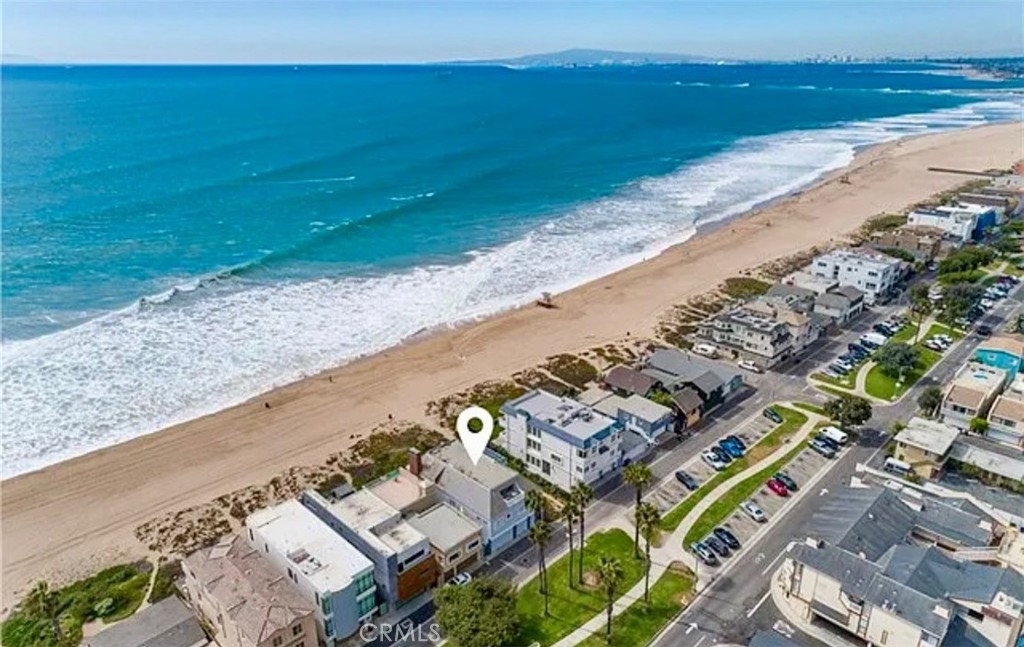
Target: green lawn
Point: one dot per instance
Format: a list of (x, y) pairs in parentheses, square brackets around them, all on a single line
[(639, 623), (792, 421), (846, 382), (883, 386), (722, 508), (570, 608), (807, 406)]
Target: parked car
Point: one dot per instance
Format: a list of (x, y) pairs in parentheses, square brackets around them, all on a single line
[(711, 458), (753, 511), (873, 340), (882, 330), (733, 438), (983, 331), (721, 454), (747, 365), (822, 448), (687, 480), (835, 434), (777, 486), (831, 444), (705, 554), (462, 579), (717, 545), (707, 350), (727, 537), (731, 448), (838, 369), (772, 415), (786, 480)]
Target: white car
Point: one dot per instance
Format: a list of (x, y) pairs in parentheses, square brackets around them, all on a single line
[(709, 457), (747, 365), (753, 511), (462, 579), (987, 303), (707, 350)]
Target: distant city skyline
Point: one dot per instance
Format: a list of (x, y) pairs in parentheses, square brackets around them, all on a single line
[(311, 31)]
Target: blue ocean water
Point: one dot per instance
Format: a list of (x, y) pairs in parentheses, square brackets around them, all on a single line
[(177, 239)]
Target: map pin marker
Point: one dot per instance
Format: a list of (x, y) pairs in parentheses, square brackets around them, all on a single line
[(475, 442)]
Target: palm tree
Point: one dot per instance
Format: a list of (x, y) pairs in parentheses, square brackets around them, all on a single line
[(609, 574), (540, 533), (921, 306), (648, 520), (582, 494), (535, 503), (41, 602), (571, 512), (639, 476)]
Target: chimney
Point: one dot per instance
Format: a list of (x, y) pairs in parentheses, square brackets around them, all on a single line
[(415, 461)]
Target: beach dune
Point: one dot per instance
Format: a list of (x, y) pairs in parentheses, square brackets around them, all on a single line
[(73, 517)]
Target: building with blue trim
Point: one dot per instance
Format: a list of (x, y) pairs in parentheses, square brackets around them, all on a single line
[(1006, 353)]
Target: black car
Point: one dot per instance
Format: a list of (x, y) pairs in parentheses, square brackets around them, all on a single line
[(882, 330), (733, 438), (786, 480), (828, 442), (720, 453), (727, 537), (772, 415), (717, 545), (984, 331), (687, 480)]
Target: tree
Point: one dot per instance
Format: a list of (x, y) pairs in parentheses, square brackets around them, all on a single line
[(897, 359), (958, 299), (571, 513), (648, 520), (540, 533), (930, 400), (582, 494), (535, 503), (979, 425), (921, 305), (43, 603), (609, 575), (848, 410), (639, 476), (479, 614)]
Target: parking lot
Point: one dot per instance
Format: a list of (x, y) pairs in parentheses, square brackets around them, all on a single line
[(670, 492), (801, 469)]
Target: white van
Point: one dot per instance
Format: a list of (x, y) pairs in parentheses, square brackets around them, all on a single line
[(707, 350), (897, 466), (875, 338), (835, 434)]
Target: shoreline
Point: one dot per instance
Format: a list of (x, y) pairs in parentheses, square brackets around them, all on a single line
[(70, 517)]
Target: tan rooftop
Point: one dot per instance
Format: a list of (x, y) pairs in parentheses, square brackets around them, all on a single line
[(1007, 409), (965, 396), (401, 491), (1012, 345), (246, 586)]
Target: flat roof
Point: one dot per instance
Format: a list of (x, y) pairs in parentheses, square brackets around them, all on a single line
[(858, 257), (327, 560), (399, 490), (377, 522), (989, 460), (1012, 345), (445, 527), (928, 435), (974, 383), (635, 405), (1007, 408), (567, 415)]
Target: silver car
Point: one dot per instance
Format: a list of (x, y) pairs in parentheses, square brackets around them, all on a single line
[(753, 511)]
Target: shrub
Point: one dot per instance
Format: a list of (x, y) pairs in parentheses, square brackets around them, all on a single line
[(572, 370)]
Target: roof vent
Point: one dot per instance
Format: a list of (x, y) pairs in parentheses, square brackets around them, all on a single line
[(941, 611)]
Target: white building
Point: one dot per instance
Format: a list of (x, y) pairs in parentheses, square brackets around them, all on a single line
[(563, 441), (320, 563), (874, 274), (958, 223)]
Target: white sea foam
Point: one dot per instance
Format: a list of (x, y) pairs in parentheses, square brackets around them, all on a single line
[(168, 360)]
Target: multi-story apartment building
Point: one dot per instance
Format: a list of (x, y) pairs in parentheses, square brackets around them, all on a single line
[(245, 601), (403, 564), (321, 564), (563, 441), (752, 334), (454, 539), (971, 394), (874, 274)]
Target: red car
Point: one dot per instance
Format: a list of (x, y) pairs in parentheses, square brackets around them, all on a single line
[(776, 486)]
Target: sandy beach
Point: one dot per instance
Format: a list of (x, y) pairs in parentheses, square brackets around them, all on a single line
[(71, 518)]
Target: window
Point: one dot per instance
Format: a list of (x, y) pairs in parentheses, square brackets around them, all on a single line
[(296, 630), (556, 458), (473, 544), (975, 615), (532, 444), (366, 606), (278, 641), (885, 637), (325, 606), (329, 628), (454, 556), (581, 453), (250, 534)]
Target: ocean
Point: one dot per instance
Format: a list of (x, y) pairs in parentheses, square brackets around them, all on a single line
[(176, 240)]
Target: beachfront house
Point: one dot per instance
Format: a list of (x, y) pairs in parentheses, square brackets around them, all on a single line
[(626, 381), (963, 222), (715, 382), (454, 539), (923, 242), (1006, 417), (403, 564), (750, 334), (244, 600), (167, 623), (971, 393), (875, 275), (841, 305), (637, 414), (320, 563), (562, 440)]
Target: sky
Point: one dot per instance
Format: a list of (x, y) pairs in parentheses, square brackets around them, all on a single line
[(344, 31)]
